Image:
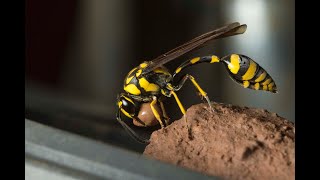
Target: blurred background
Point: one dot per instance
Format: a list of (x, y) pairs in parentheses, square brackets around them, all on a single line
[(78, 53)]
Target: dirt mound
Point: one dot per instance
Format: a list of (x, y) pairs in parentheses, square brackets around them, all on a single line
[(233, 142)]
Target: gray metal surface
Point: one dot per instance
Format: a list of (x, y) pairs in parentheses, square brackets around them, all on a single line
[(78, 116), (55, 154)]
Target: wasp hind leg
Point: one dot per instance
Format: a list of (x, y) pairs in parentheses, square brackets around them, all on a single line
[(194, 82)]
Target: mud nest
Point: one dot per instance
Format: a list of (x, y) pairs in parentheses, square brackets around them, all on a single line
[(233, 143)]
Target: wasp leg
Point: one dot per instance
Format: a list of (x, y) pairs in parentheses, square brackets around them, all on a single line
[(180, 106), (169, 92), (182, 110), (130, 131), (194, 82), (178, 102), (155, 112), (164, 113)]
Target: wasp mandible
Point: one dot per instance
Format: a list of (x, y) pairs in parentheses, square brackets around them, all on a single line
[(150, 82)]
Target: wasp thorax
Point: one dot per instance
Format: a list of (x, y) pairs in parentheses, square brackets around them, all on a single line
[(146, 115), (143, 65)]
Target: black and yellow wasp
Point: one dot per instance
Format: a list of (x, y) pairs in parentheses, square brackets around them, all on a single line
[(151, 82)]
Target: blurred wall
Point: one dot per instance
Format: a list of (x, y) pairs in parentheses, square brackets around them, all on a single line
[(48, 26), (108, 38), (99, 47)]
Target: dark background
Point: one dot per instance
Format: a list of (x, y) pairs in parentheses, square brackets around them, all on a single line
[(78, 53)]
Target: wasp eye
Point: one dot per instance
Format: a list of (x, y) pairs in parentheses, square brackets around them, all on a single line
[(128, 106)]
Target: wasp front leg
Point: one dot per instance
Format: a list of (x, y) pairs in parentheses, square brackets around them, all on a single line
[(194, 82), (154, 110)]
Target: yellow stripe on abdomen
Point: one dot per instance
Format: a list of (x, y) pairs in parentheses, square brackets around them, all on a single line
[(246, 84), (265, 87), (256, 86), (266, 82), (234, 65), (270, 86), (261, 77), (251, 71)]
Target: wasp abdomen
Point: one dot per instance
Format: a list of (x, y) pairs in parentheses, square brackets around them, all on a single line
[(248, 73)]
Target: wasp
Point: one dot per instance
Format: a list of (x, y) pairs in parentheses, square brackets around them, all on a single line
[(150, 83)]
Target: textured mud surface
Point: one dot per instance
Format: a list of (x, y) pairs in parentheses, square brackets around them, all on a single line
[(232, 142)]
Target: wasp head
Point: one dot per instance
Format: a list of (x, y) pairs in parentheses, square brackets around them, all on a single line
[(126, 105)]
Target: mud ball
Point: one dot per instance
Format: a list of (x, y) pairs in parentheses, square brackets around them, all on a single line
[(146, 115)]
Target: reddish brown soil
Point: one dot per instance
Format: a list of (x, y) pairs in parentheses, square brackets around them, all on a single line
[(233, 142)]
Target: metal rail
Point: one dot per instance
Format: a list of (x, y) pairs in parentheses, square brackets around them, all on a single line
[(55, 154)]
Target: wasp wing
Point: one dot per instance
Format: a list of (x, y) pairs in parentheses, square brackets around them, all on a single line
[(225, 31)]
